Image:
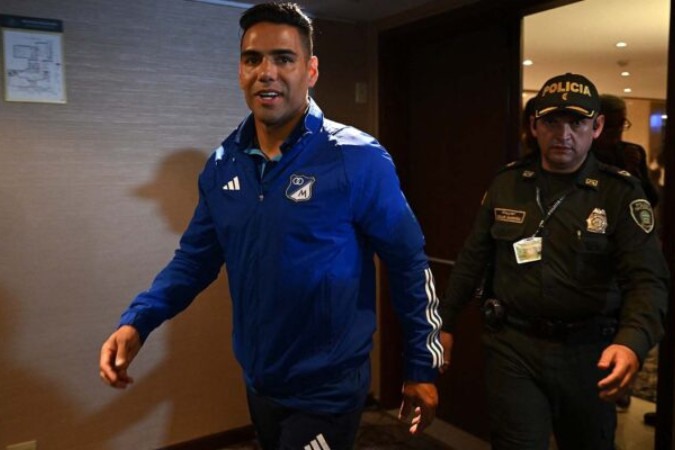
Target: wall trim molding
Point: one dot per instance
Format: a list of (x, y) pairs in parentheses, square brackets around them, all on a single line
[(216, 441)]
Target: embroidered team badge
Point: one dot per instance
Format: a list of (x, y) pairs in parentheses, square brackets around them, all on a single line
[(300, 188), (642, 214), (597, 221)]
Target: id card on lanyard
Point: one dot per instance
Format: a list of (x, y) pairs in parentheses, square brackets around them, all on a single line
[(529, 249)]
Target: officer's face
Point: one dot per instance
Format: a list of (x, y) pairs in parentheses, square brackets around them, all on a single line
[(275, 74), (565, 139)]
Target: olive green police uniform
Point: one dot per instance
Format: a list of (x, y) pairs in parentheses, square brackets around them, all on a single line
[(597, 276)]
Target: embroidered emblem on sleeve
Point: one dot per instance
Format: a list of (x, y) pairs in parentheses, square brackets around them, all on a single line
[(300, 188), (597, 221), (642, 214)]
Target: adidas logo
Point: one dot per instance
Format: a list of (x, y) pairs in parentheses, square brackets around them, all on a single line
[(318, 444), (232, 185)]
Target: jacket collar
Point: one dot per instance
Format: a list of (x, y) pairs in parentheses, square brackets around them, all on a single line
[(310, 124), (586, 176)]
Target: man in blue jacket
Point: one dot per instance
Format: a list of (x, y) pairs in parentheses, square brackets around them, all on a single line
[(296, 206)]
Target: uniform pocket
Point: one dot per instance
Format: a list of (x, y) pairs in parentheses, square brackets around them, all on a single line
[(593, 261), (507, 232)]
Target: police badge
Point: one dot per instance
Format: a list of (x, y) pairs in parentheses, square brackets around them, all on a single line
[(642, 214), (300, 188), (597, 221)]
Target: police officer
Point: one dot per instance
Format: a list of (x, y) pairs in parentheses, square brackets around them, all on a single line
[(577, 278)]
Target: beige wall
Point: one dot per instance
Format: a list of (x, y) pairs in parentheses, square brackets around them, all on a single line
[(93, 197), (638, 112)]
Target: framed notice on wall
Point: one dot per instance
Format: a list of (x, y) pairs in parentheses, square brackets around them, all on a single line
[(32, 50)]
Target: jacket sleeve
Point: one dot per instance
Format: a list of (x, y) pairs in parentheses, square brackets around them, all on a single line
[(383, 215), (643, 276), (194, 266), (470, 267)]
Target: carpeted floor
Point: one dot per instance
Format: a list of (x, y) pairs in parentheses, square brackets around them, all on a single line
[(378, 431), (645, 382)]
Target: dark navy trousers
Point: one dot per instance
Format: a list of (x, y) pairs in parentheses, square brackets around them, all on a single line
[(537, 387), (281, 428)]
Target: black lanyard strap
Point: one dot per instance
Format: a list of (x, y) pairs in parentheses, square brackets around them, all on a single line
[(549, 213)]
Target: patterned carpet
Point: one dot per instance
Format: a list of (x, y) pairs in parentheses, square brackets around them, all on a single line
[(644, 385), (378, 431)]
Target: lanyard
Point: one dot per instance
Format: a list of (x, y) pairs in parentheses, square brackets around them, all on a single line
[(549, 213)]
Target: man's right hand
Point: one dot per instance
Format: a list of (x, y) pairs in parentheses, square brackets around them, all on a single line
[(446, 341), (116, 355)]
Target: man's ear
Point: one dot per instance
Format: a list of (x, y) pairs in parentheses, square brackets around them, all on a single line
[(313, 70), (533, 126), (598, 125)]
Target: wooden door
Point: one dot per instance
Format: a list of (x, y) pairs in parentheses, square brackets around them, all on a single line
[(449, 114)]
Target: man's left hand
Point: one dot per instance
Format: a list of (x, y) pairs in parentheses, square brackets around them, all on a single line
[(624, 364), (418, 407)]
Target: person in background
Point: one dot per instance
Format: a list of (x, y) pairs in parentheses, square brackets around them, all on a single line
[(295, 206), (610, 147), (576, 283)]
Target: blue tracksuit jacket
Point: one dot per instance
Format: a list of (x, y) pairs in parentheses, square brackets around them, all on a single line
[(298, 249)]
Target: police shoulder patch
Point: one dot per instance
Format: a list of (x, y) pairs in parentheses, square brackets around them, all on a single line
[(643, 215)]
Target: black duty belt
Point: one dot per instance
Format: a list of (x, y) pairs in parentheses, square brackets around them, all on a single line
[(594, 328)]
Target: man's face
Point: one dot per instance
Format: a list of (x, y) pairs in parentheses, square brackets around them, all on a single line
[(565, 139), (275, 74)]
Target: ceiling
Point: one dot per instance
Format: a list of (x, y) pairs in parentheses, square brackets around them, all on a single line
[(582, 37), (579, 37)]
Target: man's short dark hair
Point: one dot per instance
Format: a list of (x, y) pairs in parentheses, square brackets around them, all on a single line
[(280, 13)]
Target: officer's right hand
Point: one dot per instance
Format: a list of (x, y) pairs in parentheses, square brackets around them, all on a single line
[(624, 365), (446, 341), (116, 355)]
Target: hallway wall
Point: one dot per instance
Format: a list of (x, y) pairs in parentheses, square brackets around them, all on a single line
[(94, 195)]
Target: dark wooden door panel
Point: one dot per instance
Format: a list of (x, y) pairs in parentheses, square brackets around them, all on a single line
[(445, 117)]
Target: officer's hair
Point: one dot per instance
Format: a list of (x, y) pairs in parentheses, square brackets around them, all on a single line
[(283, 14)]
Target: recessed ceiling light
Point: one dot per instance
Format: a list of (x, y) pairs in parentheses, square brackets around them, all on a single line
[(528, 62), (664, 117), (628, 90), (621, 44), (625, 74)]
